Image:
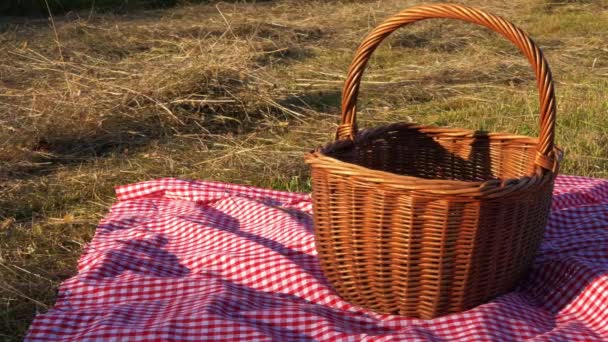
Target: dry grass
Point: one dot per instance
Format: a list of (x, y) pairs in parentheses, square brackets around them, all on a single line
[(237, 92)]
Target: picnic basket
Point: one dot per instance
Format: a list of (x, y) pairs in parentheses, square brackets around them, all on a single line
[(423, 221)]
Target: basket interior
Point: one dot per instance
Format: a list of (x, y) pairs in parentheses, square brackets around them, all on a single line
[(419, 152)]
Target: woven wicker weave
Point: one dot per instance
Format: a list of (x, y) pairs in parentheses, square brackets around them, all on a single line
[(423, 221)]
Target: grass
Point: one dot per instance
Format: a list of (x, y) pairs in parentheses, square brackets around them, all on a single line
[(41, 7), (238, 92)]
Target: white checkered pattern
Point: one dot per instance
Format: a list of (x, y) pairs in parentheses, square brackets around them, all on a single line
[(183, 260)]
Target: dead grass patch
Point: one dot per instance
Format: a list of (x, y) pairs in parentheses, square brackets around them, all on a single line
[(238, 92)]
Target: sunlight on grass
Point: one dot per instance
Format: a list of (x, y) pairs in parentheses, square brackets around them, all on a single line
[(238, 92)]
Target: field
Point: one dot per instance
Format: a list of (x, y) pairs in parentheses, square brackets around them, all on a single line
[(41, 7), (237, 92)]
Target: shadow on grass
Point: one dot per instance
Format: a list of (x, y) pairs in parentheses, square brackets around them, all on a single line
[(124, 134), (38, 8), (327, 101)]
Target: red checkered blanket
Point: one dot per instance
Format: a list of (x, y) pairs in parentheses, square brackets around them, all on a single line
[(182, 260)]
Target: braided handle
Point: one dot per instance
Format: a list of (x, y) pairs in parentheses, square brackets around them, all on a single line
[(348, 127)]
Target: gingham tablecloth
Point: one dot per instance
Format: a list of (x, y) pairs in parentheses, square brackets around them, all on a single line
[(186, 260)]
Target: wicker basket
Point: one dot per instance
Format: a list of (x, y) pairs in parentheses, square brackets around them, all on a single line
[(424, 221)]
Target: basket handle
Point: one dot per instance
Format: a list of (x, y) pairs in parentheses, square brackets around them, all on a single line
[(545, 157)]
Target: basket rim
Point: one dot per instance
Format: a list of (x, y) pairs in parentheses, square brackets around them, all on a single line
[(487, 189)]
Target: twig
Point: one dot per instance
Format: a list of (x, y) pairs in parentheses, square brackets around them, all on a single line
[(202, 101), (276, 105), (228, 26), (21, 294), (31, 273), (67, 82)]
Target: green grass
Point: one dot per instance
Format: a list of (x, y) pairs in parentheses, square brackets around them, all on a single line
[(238, 92)]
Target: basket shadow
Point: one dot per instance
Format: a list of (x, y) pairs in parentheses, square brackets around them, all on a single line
[(142, 256), (217, 219), (403, 149), (305, 219)]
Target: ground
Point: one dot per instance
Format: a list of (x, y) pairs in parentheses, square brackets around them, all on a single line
[(237, 92)]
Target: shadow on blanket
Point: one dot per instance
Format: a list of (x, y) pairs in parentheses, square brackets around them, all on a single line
[(244, 305), (216, 219), (142, 256)]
